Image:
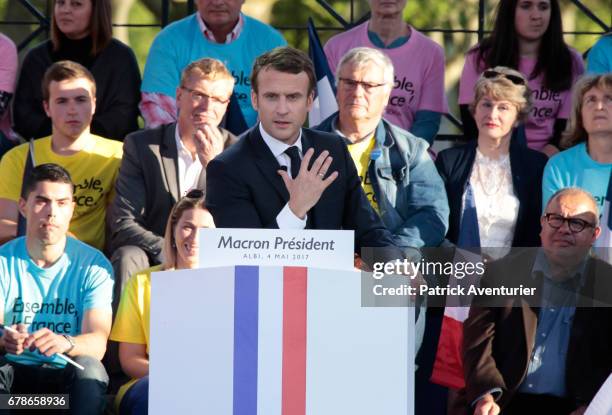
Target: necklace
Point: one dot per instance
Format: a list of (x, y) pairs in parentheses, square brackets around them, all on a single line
[(494, 181)]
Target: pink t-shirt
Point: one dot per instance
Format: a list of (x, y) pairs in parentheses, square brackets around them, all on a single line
[(547, 105), (419, 72), (8, 75)]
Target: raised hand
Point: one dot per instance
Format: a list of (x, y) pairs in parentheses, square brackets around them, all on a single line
[(209, 143), (306, 189)]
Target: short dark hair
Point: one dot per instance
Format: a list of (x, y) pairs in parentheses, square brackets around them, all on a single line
[(48, 172), (100, 27), (284, 59), (65, 70)]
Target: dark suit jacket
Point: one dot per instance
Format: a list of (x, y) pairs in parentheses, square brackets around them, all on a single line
[(498, 341), (455, 167), (147, 188), (244, 190)]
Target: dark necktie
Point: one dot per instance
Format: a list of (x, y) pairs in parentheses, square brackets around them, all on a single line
[(294, 155)]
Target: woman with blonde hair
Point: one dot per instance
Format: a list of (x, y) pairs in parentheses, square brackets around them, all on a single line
[(587, 159), (493, 176), (493, 192), (131, 327)]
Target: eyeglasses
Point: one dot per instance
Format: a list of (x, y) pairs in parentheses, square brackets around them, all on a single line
[(592, 100), (575, 225), (198, 97), (515, 79), (350, 84), (195, 194)]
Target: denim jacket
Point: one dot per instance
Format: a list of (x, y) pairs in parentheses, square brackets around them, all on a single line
[(410, 193)]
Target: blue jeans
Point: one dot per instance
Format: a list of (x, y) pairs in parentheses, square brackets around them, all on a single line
[(87, 388), (136, 399)]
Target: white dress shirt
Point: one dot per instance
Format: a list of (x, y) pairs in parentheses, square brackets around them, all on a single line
[(286, 219), (189, 167), (496, 204), (231, 36)]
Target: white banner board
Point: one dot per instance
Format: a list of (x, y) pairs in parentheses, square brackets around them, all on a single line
[(283, 247), (273, 340)]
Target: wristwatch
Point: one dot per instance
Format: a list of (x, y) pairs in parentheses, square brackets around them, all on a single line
[(71, 341)]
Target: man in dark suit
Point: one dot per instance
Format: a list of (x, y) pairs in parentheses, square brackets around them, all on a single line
[(163, 164), (280, 175), (550, 352)]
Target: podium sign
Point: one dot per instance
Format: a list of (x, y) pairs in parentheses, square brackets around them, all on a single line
[(326, 248), (276, 340), (259, 330)]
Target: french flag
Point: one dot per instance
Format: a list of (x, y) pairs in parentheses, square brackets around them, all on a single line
[(325, 103), (276, 340), (448, 364)]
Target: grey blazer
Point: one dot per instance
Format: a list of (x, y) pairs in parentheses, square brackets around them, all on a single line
[(147, 188)]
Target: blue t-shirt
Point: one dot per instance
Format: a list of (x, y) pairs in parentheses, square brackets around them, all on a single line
[(56, 297), (575, 168), (182, 42), (599, 59)]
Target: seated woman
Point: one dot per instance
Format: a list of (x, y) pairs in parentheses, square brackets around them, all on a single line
[(131, 327), (492, 182), (528, 36), (587, 160), (493, 196), (81, 31)]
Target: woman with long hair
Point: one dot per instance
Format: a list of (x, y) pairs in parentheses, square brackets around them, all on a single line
[(81, 31), (528, 36), (586, 161), (131, 327)]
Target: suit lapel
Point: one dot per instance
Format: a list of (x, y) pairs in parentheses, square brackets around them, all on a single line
[(529, 309), (266, 162), (169, 156), (518, 168)]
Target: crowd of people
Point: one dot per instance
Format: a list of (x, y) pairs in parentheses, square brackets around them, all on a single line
[(91, 205)]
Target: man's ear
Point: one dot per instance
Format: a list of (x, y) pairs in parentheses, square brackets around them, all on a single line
[(46, 107), (254, 100), (310, 100), (21, 204), (596, 233)]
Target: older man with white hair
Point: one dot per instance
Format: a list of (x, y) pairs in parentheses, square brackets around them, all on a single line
[(397, 174)]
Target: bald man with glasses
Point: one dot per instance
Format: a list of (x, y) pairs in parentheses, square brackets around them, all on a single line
[(550, 352)]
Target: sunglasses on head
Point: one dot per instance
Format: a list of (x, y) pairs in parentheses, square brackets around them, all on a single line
[(195, 194), (492, 74)]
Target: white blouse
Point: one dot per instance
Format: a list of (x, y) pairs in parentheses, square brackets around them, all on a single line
[(496, 205)]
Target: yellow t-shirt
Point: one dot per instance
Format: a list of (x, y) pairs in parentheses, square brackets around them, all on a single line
[(133, 316), (93, 170), (360, 152)]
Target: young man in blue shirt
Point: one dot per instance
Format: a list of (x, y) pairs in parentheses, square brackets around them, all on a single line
[(56, 294)]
